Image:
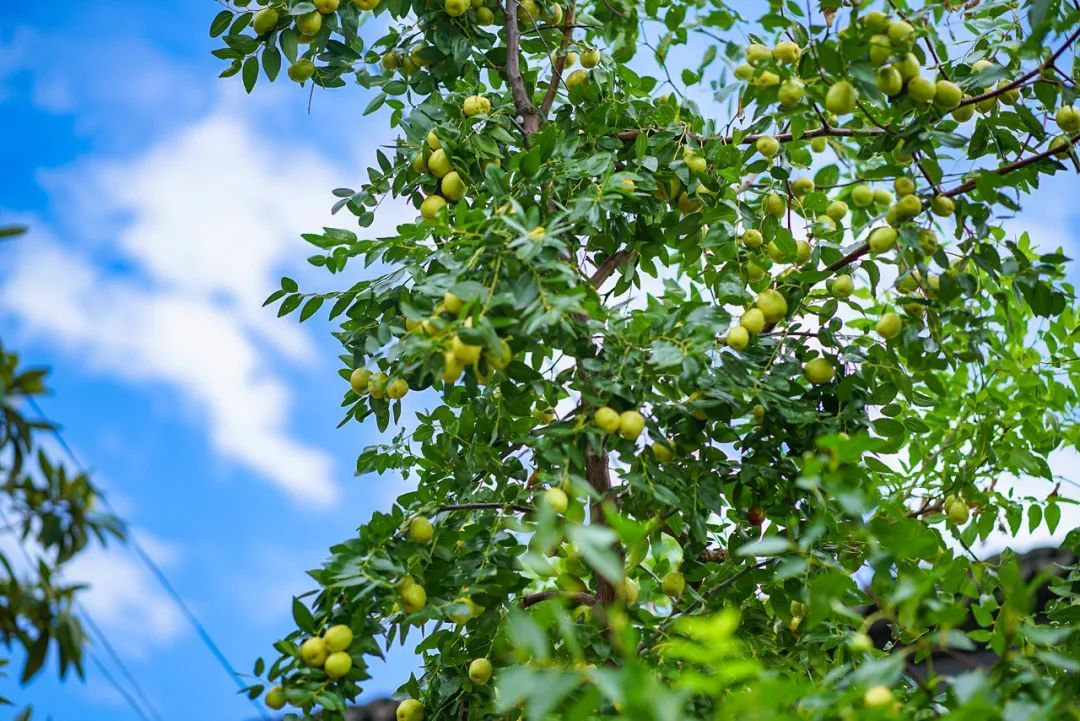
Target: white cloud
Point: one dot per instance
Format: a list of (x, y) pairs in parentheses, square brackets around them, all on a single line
[(202, 221)]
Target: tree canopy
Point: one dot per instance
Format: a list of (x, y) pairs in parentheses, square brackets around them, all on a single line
[(726, 353)]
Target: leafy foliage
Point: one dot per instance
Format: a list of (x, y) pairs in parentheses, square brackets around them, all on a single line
[(48, 508), (833, 380)]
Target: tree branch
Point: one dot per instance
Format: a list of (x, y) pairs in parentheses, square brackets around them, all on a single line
[(1002, 89), (560, 60), (610, 265), (824, 131), (530, 119), (484, 507), (586, 599)]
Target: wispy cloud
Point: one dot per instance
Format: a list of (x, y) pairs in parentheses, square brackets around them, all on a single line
[(201, 224)]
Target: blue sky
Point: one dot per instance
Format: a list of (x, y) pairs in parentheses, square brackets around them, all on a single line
[(164, 205)]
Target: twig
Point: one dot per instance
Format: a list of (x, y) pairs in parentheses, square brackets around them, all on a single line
[(484, 507), (586, 599), (530, 119), (560, 60)]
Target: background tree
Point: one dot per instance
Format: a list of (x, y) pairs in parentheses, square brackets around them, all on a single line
[(698, 390), (47, 517)]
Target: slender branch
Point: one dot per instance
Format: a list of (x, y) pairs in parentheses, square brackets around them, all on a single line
[(484, 507), (560, 60), (586, 599), (965, 187), (610, 265), (1002, 89), (530, 119), (824, 131)]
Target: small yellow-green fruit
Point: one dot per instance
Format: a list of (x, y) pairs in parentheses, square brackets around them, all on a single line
[(878, 698), (1068, 118), (556, 500), (397, 389), (607, 419), (773, 304), (484, 16), (421, 530), (829, 223), (439, 163), (431, 206), (467, 354), (752, 238), (738, 338), (841, 97), (410, 710), (958, 511), (366, 4), (842, 287), (889, 326), (555, 14), (480, 671), (803, 251), (860, 643), (576, 79), (802, 186), (837, 210), (359, 380), (673, 584), (883, 197), (475, 105), (744, 71), (876, 21), (453, 188), (880, 49), (451, 302), (433, 140), (819, 371), (264, 21), (889, 81), (313, 651), (767, 146), (456, 8), (502, 358), (754, 272), (590, 58), (766, 79), (390, 62), (786, 52), (413, 597), (908, 66), (901, 33), (756, 54), (791, 92), (772, 204), (452, 367), (629, 591), (985, 105), (1059, 145), (327, 6), (818, 143), (275, 698), (302, 69), (631, 424), (753, 320), (377, 385), (904, 186), (909, 206), (759, 414), (696, 164), (942, 205), (338, 638), (338, 664), (928, 241), (964, 113), (921, 89), (309, 23), (775, 252), (947, 94), (862, 195), (1009, 96), (662, 451), (882, 239)]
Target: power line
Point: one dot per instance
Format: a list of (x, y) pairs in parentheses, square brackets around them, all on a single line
[(104, 640), (155, 570), (97, 662)]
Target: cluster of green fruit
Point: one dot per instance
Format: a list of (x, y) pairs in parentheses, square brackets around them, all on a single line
[(483, 13), (409, 62), (377, 385), (328, 652), (480, 670), (1068, 119), (434, 160), (767, 67), (629, 425)]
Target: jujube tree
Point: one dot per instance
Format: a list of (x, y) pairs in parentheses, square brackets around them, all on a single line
[(704, 398)]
